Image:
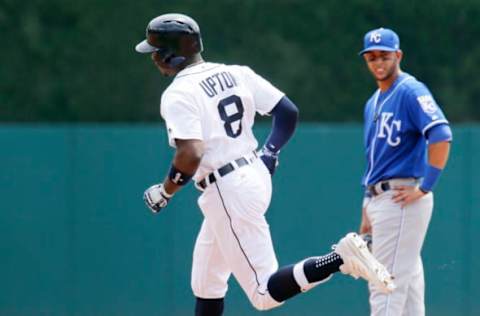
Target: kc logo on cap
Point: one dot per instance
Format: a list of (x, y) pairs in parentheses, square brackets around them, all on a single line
[(380, 39), (375, 37)]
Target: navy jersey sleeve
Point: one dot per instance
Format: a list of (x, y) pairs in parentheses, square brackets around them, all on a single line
[(423, 110)]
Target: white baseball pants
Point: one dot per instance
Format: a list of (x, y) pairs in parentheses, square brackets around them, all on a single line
[(235, 237), (397, 239)]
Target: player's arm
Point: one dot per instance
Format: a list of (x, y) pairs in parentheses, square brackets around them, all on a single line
[(285, 118), (439, 138), (438, 154), (185, 163)]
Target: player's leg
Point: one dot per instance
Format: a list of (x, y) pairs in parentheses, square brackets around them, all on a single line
[(351, 256), (210, 274), (415, 304), (398, 234), (234, 206), (209, 306), (248, 249), (291, 280)]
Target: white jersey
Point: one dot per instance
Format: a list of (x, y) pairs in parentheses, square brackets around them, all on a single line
[(216, 103)]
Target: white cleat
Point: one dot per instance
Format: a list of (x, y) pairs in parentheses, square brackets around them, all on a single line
[(359, 262)]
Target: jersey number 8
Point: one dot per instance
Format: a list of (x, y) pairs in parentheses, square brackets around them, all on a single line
[(230, 118)]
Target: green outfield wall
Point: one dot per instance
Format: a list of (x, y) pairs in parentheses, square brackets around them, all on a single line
[(75, 61), (76, 238)]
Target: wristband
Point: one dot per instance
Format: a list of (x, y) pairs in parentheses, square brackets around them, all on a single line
[(178, 177), (268, 152), (431, 177)]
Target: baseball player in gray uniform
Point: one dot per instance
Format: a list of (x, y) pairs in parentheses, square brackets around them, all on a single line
[(209, 110), (402, 123)]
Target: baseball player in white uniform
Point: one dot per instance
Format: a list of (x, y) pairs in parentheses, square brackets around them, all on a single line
[(209, 110), (402, 123)]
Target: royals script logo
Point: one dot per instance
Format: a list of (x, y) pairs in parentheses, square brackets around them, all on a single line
[(387, 128)]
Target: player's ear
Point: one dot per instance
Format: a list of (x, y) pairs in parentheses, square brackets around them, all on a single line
[(399, 54)]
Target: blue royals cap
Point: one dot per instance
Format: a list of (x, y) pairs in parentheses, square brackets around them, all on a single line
[(380, 39)]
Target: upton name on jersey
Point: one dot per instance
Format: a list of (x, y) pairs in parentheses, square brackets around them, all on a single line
[(220, 80)]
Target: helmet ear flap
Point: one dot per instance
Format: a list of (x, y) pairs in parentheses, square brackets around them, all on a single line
[(175, 61)]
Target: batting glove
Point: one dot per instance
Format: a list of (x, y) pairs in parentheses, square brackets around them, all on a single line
[(156, 197), (270, 159)]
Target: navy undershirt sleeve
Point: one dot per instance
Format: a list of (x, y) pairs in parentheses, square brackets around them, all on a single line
[(285, 117)]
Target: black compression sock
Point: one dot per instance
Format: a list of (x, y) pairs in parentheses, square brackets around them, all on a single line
[(209, 307), (282, 285), (319, 268)]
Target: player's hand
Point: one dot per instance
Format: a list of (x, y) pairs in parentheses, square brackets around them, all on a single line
[(270, 159), (406, 194), (156, 197)]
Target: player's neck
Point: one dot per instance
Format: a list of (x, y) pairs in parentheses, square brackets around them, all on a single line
[(195, 60), (384, 85), (190, 62)]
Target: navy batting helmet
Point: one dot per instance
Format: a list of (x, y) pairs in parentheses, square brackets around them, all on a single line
[(174, 36)]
